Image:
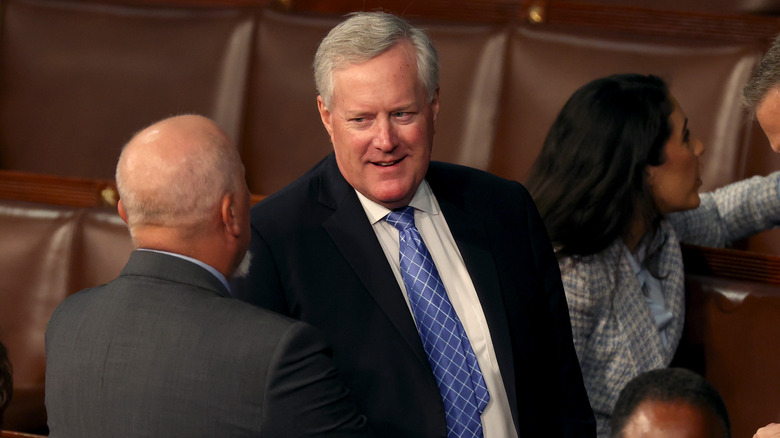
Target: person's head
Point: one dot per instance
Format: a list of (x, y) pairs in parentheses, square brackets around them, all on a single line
[(618, 152), (670, 403), (6, 382), (761, 95), (182, 189), (377, 78)]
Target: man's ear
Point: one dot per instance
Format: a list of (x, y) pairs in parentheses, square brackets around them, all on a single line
[(120, 208), (325, 116), (230, 216)]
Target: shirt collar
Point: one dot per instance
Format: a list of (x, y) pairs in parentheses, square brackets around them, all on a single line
[(205, 266), (422, 200), (632, 260)]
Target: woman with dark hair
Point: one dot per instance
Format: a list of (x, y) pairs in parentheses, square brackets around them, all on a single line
[(617, 185)]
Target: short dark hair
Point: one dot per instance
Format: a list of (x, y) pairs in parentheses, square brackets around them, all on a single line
[(6, 382), (668, 385), (590, 179)]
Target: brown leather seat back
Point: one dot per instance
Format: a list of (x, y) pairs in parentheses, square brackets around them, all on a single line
[(733, 321), (101, 248), (547, 65), (49, 252), (79, 78), (37, 242), (471, 62), (283, 136)]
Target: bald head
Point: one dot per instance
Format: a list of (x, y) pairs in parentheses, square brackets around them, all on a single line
[(670, 402), (174, 172), (182, 189)]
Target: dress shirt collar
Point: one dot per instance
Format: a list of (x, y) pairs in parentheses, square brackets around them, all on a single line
[(652, 289), (205, 266), (422, 200)]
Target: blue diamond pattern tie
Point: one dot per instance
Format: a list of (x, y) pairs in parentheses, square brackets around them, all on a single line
[(454, 363)]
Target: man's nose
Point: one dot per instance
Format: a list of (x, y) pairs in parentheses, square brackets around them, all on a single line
[(385, 138)]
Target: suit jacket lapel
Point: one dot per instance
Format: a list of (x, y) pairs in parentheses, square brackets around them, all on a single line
[(355, 238), (673, 286), (470, 234)]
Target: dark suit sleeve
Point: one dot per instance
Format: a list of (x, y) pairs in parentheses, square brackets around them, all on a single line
[(304, 392), (261, 286), (577, 415)]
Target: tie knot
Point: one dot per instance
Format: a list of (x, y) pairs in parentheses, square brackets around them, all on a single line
[(402, 218)]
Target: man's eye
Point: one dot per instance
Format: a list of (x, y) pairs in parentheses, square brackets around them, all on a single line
[(360, 121)]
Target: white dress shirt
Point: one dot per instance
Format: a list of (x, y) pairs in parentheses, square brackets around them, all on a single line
[(496, 418)]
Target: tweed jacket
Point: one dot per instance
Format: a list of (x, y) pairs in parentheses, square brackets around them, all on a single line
[(614, 332)]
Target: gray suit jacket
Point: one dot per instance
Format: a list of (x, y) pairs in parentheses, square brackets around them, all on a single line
[(161, 352)]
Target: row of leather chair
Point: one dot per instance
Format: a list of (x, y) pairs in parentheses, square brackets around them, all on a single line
[(51, 251), (79, 77)]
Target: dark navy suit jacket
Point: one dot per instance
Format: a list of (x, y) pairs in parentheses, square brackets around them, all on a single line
[(317, 258)]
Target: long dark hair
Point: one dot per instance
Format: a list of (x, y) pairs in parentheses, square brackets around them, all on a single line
[(589, 181)]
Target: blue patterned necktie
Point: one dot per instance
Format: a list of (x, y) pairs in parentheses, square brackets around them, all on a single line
[(454, 363)]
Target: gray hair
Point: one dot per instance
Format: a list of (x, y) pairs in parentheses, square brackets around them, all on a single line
[(182, 193), (365, 35), (766, 77)]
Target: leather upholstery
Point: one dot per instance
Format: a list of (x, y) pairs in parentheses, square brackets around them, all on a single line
[(48, 253), (105, 71), (79, 77), (732, 325)]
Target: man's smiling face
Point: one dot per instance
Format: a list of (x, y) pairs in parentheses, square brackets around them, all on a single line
[(381, 124)]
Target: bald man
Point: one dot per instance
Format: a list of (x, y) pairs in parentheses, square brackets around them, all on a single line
[(670, 403), (163, 350)]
